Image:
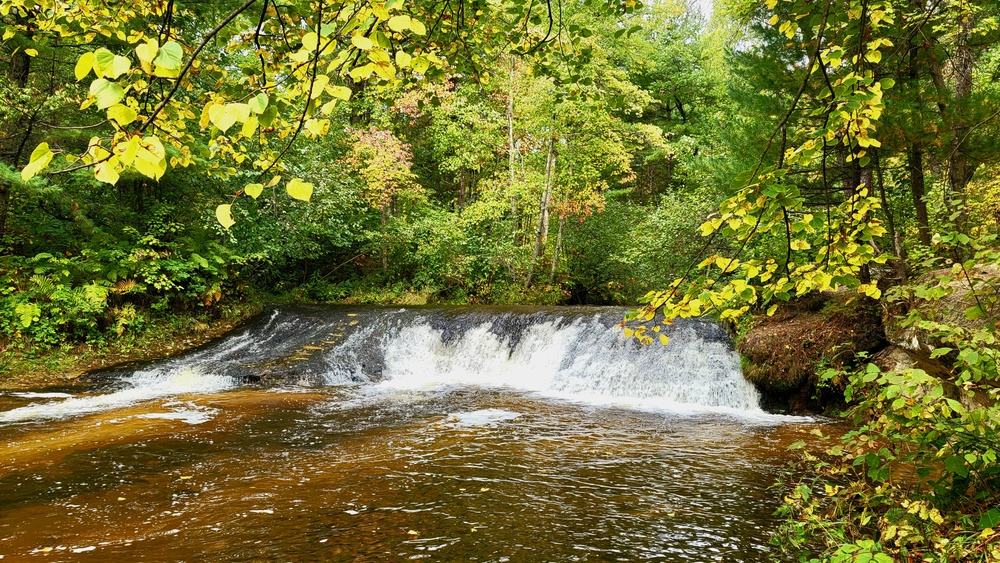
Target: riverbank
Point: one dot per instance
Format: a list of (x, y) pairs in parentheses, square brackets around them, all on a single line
[(36, 365)]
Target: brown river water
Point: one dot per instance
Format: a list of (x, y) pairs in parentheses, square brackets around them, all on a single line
[(422, 457)]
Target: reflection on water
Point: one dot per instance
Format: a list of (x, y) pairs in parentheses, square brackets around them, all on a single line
[(376, 474)]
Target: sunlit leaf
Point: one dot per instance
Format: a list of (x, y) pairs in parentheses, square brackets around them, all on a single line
[(299, 189), (106, 93), (399, 23), (254, 190), (362, 42), (40, 158), (122, 114), (224, 215)]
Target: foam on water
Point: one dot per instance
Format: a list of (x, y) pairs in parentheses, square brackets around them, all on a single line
[(582, 361), (143, 386)]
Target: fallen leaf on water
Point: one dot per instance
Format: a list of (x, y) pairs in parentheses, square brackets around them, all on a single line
[(413, 533), (186, 476)]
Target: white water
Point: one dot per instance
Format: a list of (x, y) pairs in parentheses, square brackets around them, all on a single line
[(144, 386), (583, 361), (568, 355)]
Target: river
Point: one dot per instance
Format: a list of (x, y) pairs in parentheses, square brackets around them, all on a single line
[(385, 434)]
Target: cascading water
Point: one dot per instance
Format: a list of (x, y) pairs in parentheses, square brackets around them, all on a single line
[(574, 353)]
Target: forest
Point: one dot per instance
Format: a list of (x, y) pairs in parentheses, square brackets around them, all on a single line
[(167, 162)]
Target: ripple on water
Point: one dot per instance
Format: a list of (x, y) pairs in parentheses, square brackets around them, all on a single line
[(465, 474)]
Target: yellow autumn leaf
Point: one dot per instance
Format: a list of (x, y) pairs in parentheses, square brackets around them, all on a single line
[(40, 158), (399, 23), (84, 65), (362, 42), (340, 92), (224, 215), (254, 190), (299, 190)]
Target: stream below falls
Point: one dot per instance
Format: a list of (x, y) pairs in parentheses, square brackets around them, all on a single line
[(388, 434)]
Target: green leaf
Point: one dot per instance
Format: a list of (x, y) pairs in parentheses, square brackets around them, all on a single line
[(224, 215), (956, 465), (40, 158), (299, 189), (168, 60), (258, 103), (254, 190), (990, 519), (104, 60), (106, 93)]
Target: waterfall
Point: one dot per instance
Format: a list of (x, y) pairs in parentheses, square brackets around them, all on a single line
[(568, 352)]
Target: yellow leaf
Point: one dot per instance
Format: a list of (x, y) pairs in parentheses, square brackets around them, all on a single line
[(151, 158), (799, 244), (126, 151), (301, 56), (122, 114), (249, 126), (328, 107), (318, 86), (317, 127), (254, 190), (664, 339), (299, 189), (417, 28), (31, 52), (362, 72), (310, 41), (274, 181), (385, 70), (773, 20), (147, 51), (378, 56), (403, 59), (361, 42), (107, 171), (421, 64), (399, 23), (40, 158), (341, 92), (224, 215), (83, 65)]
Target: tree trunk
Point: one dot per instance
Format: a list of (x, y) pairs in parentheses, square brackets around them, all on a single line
[(4, 206), (385, 253), (20, 66), (918, 189), (960, 166), (542, 233), (555, 257)]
